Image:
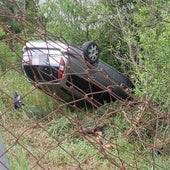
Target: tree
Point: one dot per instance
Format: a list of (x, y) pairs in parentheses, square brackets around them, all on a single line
[(152, 22), (8, 15)]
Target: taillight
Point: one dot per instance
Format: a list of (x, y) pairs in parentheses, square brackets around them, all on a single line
[(61, 69)]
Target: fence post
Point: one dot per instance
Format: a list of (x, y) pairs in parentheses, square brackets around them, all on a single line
[(4, 164)]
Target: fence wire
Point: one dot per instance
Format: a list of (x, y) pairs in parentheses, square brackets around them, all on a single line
[(40, 130)]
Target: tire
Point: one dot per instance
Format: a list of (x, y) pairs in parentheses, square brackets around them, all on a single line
[(91, 52)]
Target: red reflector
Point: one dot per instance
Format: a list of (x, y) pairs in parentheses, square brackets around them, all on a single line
[(61, 69)]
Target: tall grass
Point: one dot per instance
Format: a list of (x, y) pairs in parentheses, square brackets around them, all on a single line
[(56, 143)]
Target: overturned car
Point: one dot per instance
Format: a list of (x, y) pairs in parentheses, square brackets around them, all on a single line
[(73, 74)]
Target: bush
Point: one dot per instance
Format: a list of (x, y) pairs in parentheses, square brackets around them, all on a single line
[(154, 73)]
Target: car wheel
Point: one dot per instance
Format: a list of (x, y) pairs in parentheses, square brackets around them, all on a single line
[(91, 51)]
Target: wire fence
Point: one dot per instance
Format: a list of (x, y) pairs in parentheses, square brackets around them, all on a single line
[(41, 129)]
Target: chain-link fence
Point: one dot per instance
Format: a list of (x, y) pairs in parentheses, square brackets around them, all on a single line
[(56, 114)]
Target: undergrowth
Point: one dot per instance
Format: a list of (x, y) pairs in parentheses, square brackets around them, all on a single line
[(34, 139)]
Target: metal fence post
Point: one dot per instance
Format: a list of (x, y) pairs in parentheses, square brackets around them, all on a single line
[(4, 164)]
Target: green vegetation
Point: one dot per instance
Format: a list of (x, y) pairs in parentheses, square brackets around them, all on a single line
[(133, 37)]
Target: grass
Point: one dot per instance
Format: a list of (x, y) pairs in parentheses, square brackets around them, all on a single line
[(55, 141)]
